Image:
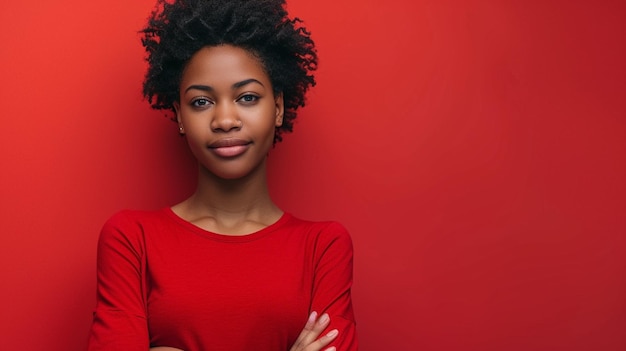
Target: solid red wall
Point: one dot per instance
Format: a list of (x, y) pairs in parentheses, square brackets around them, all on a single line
[(475, 150)]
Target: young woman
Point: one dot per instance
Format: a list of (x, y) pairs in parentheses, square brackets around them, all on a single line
[(226, 269)]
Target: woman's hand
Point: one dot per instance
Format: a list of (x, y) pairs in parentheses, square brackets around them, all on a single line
[(308, 338)]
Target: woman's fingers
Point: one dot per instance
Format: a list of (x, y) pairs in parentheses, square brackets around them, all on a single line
[(319, 344), (310, 323), (306, 334), (308, 338)]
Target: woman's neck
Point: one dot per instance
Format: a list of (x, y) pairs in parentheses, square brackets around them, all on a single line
[(230, 206)]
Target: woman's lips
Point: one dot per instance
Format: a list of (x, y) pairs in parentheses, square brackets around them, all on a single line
[(229, 147)]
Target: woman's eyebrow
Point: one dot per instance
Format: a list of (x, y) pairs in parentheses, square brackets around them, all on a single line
[(206, 88), (237, 85), (246, 82)]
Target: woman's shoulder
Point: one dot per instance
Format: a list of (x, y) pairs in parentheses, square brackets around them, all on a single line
[(132, 225), (327, 241), (326, 231), (322, 225), (128, 217)]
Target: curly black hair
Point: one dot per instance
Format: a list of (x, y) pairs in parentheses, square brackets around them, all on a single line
[(177, 30)]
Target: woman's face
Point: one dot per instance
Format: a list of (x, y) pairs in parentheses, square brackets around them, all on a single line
[(228, 110)]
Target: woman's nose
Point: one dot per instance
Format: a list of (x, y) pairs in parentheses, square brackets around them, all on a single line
[(225, 118)]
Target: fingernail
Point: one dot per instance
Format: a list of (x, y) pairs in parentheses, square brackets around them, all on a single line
[(332, 333), (312, 317), (324, 318), (332, 348)]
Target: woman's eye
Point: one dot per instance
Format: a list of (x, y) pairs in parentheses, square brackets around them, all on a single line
[(200, 102), (249, 99)]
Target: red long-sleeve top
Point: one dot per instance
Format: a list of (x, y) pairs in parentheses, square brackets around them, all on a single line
[(163, 281)]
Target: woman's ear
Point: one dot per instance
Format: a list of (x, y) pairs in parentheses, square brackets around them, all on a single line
[(181, 129), (280, 109)]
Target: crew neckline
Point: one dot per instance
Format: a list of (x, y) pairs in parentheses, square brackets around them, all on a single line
[(225, 237)]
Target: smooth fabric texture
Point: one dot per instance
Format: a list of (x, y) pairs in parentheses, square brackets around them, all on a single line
[(163, 281)]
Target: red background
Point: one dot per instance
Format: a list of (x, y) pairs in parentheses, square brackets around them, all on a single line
[(474, 149)]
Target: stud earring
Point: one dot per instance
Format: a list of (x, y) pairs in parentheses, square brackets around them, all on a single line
[(180, 130)]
